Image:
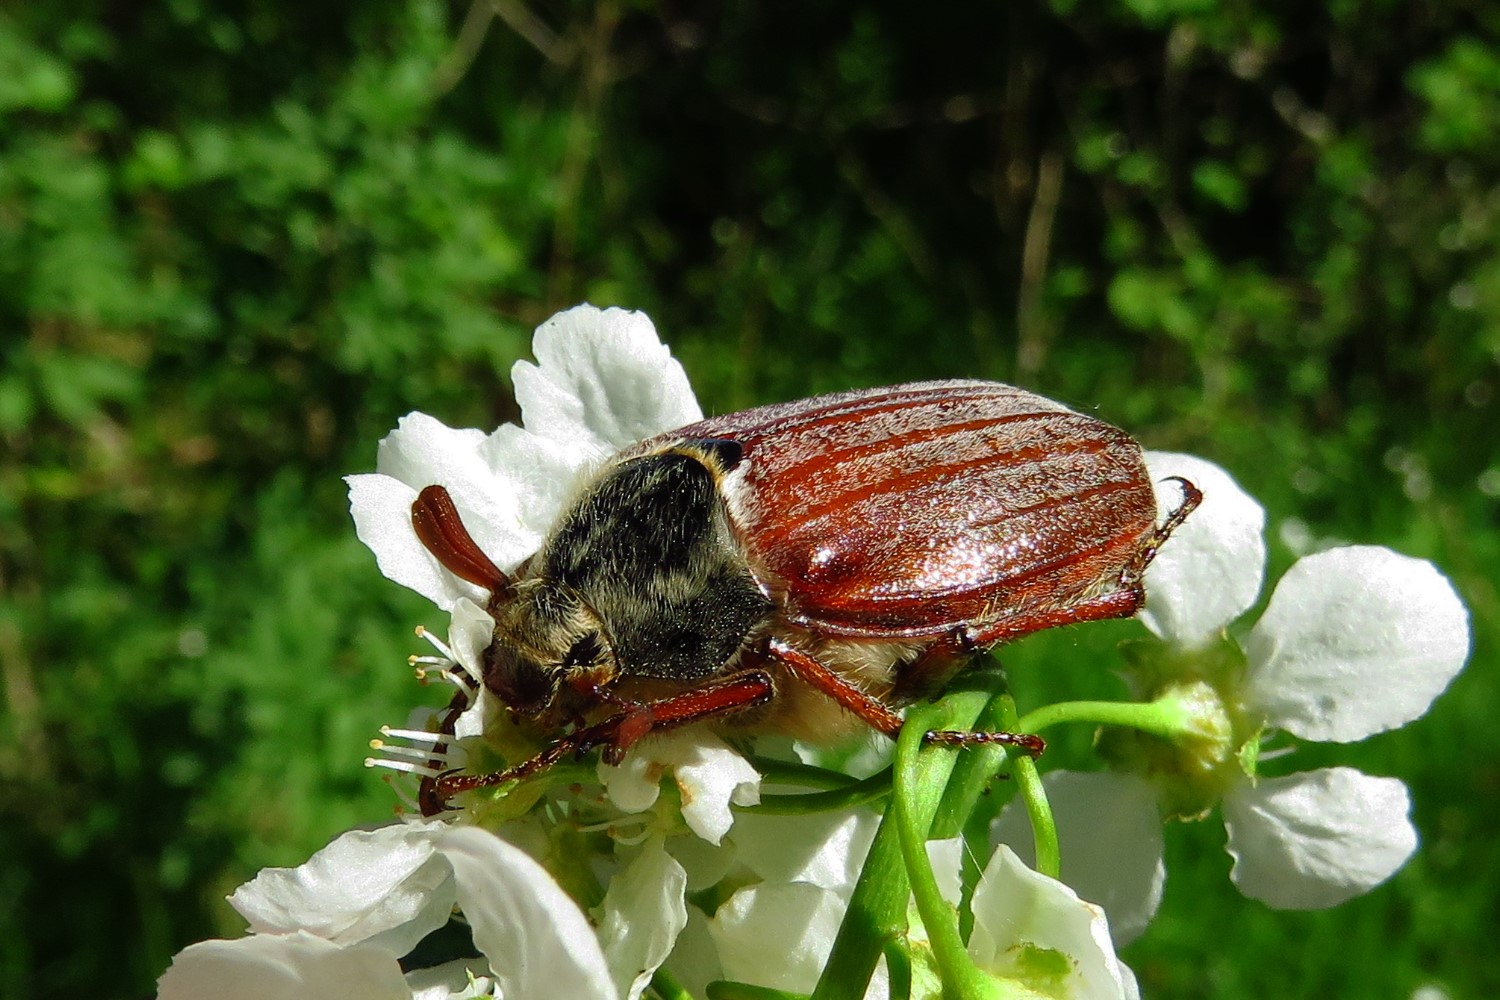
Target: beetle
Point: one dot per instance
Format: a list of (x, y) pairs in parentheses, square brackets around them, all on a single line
[(806, 567)]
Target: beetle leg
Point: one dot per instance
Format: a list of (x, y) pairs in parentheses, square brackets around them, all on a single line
[(1191, 498), (876, 713), (808, 670), (617, 733)]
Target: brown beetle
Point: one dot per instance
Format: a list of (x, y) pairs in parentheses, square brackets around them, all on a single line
[(806, 566)]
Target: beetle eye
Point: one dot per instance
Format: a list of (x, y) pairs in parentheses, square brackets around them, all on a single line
[(584, 652)]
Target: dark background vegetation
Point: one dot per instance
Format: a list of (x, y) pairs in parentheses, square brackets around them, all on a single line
[(239, 239)]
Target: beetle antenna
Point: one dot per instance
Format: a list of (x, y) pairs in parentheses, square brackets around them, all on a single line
[(442, 531)]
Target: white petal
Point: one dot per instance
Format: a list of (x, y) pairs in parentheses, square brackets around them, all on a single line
[(470, 633), (603, 378), (827, 849), (706, 864), (947, 859), (709, 775), (1210, 571), (694, 961), (461, 979), (538, 943), (1355, 641), (296, 966), (1016, 912), (386, 887), (381, 507), (643, 912), (543, 475), (1109, 832), (422, 451), (1313, 840), (777, 934)]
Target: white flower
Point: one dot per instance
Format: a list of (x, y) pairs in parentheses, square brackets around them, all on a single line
[(336, 926), (1036, 931), (1354, 641)]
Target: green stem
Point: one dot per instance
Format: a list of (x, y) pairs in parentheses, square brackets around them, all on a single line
[(961, 978), (1034, 796), (666, 986), (791, 772), (877, 909), (854, 793), (1167, 716)]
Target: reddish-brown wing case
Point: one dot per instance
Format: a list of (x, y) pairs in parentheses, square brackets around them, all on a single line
[(918, 509)]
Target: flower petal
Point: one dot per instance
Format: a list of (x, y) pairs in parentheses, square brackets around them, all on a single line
[(603, 379), (422, 451), (827, 848), (298, 966), (1210, 571), (947, 860), (643, 912), (385, 887), (539, 944), (460, 979), (381, 507), (1020, 917), (694, 961), (1109, 831), (543, 475), (1355, 641), (489, 479), (709, 775), (1313, 840), (777, 934)]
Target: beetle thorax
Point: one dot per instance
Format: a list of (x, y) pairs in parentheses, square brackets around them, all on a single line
[(550, 653)]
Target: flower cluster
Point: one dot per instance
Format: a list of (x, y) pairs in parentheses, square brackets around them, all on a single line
[(1355, 641), (660, 873)]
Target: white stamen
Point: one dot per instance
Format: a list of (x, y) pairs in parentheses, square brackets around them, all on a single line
[(410, 753), (436, 643), (612, 826), (405, 800), (415, 735), (402, 765)]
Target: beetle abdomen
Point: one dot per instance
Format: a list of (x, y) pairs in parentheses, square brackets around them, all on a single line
[(918, 509)]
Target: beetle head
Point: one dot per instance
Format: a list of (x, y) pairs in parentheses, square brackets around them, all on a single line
[(550, 656)]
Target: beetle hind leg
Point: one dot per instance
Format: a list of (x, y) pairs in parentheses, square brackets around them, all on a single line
[(1191, 498), (878, 715)]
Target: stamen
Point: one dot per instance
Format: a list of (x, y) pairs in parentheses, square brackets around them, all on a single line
[(406, 802), (402, 765), (415, 735), (409, 753), (438, 644), (612, 826)]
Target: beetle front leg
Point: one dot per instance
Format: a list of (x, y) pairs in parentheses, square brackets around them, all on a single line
[(619, 732)]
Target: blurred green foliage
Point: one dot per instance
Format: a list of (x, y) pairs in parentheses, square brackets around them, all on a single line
[(238, 240)]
